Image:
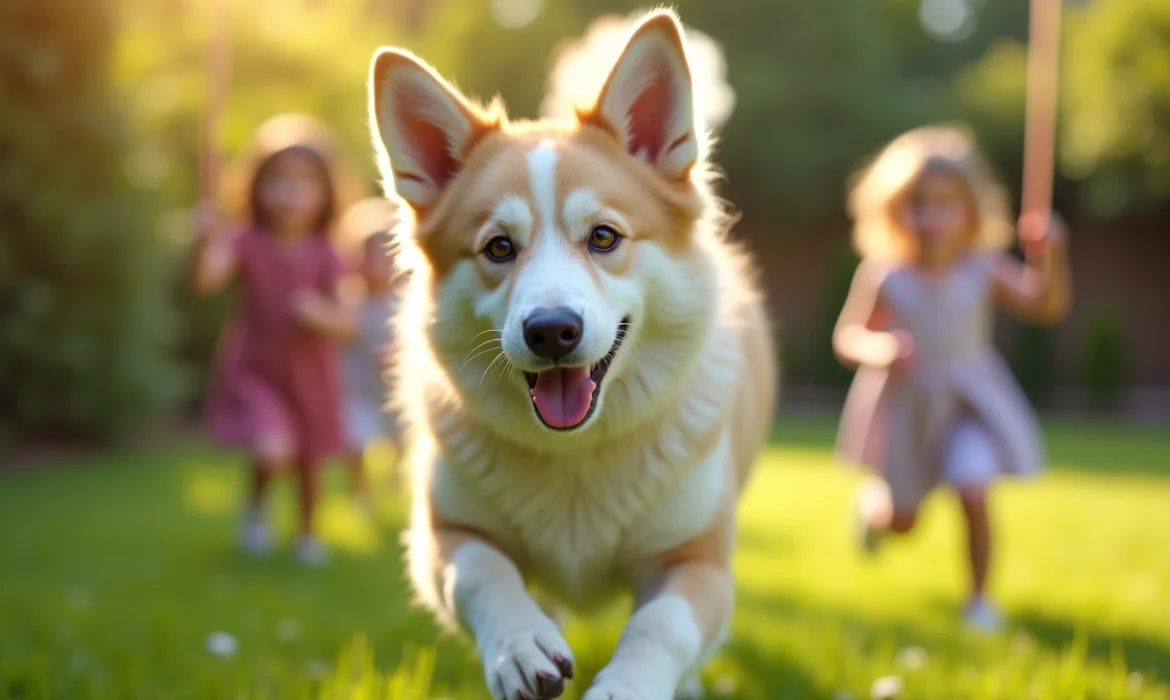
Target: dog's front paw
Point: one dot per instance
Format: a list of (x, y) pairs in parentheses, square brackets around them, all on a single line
[(608, 689), (528, 664)]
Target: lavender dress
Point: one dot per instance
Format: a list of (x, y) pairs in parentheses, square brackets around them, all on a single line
[(273, 375), (899, 426)]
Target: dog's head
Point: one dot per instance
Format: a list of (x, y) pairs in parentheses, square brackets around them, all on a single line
[(563, 273)]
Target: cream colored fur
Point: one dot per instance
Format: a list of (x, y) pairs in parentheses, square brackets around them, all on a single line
[(641, 497)]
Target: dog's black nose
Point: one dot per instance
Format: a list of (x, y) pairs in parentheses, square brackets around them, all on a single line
[(553, 333)]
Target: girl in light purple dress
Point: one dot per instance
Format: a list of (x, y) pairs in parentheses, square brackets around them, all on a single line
[(932, 400), (276, 389)]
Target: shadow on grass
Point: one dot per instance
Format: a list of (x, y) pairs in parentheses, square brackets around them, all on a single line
[(1140, 653), (778, 657)]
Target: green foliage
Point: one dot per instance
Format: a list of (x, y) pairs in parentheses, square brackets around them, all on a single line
[(826, 368), (117, 568), (357, 676), (85, 332), (989, 94), (1031, 359), (1103, 357), (1116, 92), (816, 89)]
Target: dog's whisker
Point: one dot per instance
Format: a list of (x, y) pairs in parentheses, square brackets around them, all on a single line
[(478, 354), (490, 330), (489, 341), (499, 357)]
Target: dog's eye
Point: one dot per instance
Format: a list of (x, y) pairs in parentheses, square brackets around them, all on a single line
[(604, 239), (500, 249)]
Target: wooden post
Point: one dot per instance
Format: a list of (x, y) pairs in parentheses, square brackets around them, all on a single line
[(1040, 125), (218, 63)]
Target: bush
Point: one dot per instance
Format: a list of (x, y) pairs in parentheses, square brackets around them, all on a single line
[(826, 368), (86, 322), (1032, 359), (1103, 358)]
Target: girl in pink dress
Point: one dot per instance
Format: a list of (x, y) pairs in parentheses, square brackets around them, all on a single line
[(276, 388), (932, 400)]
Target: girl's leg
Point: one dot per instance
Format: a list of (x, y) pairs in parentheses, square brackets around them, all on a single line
[(269, 455), (878, 514), (309, 548), (356, 461), (970, 466), (974, 502), (308, 476)]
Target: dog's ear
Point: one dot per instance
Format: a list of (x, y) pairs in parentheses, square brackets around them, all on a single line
[(647, 101), (423, 126)]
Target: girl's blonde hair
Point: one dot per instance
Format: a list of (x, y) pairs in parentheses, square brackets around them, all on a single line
[(278, 134), (897, 169)]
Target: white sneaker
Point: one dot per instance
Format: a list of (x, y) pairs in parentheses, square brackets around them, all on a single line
[(982, 616), (872, 496), (311, 552), (255, 537)]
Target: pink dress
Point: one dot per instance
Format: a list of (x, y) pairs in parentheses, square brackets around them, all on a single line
[(273, 375), (900, 426)]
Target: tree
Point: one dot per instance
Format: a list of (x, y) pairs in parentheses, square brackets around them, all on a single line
[(85, 332), (1117, 104)]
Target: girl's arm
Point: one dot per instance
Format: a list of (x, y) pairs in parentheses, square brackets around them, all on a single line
[(216, 260), (327, 314), (329, 309), (1040, 289), (855, 340)]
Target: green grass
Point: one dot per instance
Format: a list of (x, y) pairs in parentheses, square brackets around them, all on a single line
[(115, 569)]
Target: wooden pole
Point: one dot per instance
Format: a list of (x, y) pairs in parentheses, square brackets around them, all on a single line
[(1040, 124), (218, 63)]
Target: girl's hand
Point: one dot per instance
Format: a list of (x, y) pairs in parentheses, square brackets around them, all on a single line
[(207, 221), (320, 313), (1042, 232), (309, 306), (903, 352)]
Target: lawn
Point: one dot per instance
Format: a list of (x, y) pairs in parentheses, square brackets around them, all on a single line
[(118, 579)]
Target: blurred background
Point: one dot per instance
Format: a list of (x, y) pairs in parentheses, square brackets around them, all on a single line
[(103, 352), (104, 100)]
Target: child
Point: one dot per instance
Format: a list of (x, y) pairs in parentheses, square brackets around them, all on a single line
[(276, 387), (367, 416), (932, 400)]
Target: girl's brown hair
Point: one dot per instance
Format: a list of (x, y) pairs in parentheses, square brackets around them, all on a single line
[(898, 168), (278, 136)]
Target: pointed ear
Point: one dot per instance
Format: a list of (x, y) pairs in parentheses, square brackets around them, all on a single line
[(647, 100), (423, 126)]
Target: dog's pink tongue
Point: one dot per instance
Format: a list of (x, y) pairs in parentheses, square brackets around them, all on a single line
[(563, 395)]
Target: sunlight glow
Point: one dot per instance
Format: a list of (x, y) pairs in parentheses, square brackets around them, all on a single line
[(947, 20), (513, 14), (208, 492)]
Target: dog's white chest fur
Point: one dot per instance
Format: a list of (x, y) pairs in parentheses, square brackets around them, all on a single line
[(580, 527)]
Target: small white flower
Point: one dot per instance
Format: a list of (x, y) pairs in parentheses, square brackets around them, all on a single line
[(886, 688), (1135, 681), (317, 668), (912, 658), (222, 644), (287, 629), (78, 597), (724, 685)]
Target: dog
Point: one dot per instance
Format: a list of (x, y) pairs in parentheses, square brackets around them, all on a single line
[(586, 369)]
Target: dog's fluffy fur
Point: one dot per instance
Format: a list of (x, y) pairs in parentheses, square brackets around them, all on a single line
[(640, 493)]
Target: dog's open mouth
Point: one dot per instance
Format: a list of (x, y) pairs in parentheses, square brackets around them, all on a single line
[(564, 397)]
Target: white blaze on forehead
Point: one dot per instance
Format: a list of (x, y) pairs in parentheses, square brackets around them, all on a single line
[(542, 175)]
